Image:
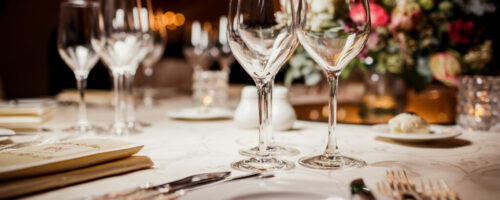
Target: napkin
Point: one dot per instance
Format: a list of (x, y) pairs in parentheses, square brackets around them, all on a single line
[(25, 186), (25, 118)]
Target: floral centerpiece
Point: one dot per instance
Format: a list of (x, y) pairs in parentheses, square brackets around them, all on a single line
[(417, 40)]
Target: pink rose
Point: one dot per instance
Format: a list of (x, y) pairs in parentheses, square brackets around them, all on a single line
[(460, 31), (379, 16), (445, 67), (405, 15)]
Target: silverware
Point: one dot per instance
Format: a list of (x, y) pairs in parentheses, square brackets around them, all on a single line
[(148, 190), (179, 193), (360, 191), (439, 190)]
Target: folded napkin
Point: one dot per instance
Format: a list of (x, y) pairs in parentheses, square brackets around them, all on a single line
[(98, 97), (36, 168), (25, 118), (26, 186)]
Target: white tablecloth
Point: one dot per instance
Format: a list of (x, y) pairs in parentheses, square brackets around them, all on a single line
[(470, 164)]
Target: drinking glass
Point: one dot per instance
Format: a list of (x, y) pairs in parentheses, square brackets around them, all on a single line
[(221, 50), (78, 21), (159, 34), (118, 42), (333, 33), (262, 37), (197, 44), (142, 21)]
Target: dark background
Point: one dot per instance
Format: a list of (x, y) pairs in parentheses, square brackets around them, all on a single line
[(30, 65)]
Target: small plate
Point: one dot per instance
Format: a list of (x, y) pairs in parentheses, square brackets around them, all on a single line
[(201, 114), (438, 133), (6, 132), (272, 189)]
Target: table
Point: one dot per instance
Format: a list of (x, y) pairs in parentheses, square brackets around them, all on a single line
[(470, 163)]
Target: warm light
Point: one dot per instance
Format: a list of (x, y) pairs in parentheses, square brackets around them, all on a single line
[(173, 20), (207, 100), (314, 115)]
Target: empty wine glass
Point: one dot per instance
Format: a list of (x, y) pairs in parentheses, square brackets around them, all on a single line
[(78, 21), (333, 32), (262, 37), (142, 21), (159, 34), (197, 44), (118, 43), (221, 50)]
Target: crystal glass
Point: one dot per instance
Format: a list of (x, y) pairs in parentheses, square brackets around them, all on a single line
[(221, 50), (159, 36), (197, 45), (333, 33), (78, 21), (118, 42), (262, 37), (478, 103), (143, 22)]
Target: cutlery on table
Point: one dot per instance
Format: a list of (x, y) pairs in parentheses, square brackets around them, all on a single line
[(147, 190)]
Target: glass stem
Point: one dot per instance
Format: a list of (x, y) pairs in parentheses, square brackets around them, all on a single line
[(270, 114), (119, 101), (148, 88), (81, 82), (129, 81), (263, 95), (332, 148)]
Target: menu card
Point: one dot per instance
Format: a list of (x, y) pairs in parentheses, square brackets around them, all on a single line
[(62, 156)]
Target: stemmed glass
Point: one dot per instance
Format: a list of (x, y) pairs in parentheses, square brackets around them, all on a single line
[(262, 37), (142, 21), (79, 20), (221, 50), (159, 36), (333, 32), (118, 42)]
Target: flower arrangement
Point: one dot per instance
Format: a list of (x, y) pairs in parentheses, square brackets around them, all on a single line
[(417, 40)]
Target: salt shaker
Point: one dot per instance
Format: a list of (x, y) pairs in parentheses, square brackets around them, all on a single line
[(247, 114)]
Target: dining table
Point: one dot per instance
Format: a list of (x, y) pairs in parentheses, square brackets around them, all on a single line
[(469, 163)]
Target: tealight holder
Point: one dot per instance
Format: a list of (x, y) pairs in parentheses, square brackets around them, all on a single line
[(478, 107), (210, 88)]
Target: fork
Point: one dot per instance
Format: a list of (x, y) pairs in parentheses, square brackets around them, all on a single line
[(400, 183), (438, 191)]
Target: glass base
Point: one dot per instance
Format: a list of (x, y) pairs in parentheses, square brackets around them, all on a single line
[(273, 150), (84, 128), (134, 127), (118, 129), (331, 162), (262, 165)]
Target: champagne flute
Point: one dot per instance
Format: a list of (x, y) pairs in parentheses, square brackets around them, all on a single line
[(159, 34), (333, 32), (78, 21), (262, 37), (117, 42)]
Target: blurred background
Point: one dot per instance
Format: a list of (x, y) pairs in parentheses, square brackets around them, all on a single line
[(31, 66)]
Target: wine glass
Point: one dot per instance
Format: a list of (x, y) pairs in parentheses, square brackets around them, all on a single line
[(197, 44), (333, 33), (221, 50), (117, 42), (78, 21), (142, 21), (262, 37), (159, 34)]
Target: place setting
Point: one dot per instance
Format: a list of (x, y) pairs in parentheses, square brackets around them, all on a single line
[(246, 99)]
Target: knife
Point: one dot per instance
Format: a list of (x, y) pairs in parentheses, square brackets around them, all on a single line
[(169, 187), (359, 191)]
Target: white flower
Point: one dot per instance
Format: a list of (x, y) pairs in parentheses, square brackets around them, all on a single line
[(318, 6)]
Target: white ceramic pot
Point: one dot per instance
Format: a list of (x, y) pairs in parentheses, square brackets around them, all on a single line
[(247, 113)]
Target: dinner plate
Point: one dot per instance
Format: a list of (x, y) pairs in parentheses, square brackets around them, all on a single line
[(272, 189), (438, 133), (6, 132), (201, 114)]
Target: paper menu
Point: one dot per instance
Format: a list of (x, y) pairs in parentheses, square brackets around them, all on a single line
[(62, 156)]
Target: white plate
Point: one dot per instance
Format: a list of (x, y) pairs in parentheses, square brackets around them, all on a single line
[(272, 189), (199, 114), (6, 132), (438, 133)]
